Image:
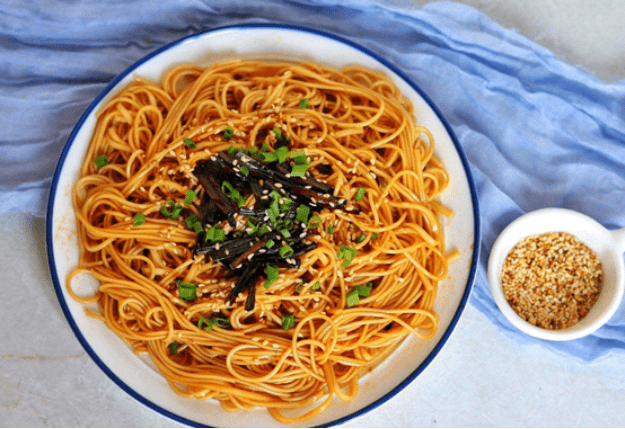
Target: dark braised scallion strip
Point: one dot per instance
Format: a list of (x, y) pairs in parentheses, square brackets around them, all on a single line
[(246, 280)]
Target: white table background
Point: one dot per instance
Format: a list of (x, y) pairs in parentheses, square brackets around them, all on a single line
[(480, 378)]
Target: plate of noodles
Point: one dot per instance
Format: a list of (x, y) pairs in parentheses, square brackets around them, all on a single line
[(262, 225)]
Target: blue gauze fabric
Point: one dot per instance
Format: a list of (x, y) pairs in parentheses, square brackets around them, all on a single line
[(537, 131)]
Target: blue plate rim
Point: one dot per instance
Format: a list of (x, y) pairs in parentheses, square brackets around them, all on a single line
[(247, 26)]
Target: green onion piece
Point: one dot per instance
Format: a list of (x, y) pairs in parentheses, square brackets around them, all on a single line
[(275, 195), (374, 236), (285, 233), (220, 322), (269, 244), (187, 291), (188, 199), (288, 223), (281, 154), (314, 222), (272, 275), (268, 157), (174, 348), (215, 233), (197, 227), (165, 211), (252, 152), (101, 161), (191, 220), (263, 229), (301, 214), (316, 286), (360, 193), (304, 103), (277, 131), (347, 254), (363, 290), (288, 321), (264, 147), (244, 170), (232, 150), (228, 133), (298, 288), (330, 230), (285, 204), (207, 322), (361, 238), (273, 213), (299, 170), (286, 251), (190, 143), (227, 188), (298, 155), (138, 219), (352, 298)]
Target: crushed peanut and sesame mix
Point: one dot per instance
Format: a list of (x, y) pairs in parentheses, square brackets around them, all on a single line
[(552, 280)]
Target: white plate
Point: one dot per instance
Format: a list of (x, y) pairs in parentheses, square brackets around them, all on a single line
[(136, 376)]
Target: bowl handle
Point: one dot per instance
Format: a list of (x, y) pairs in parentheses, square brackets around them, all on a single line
[(619, 238)]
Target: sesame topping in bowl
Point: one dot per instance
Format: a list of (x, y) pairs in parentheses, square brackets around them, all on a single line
[(551, 280)]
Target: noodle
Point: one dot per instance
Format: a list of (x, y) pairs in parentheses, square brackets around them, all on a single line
[(359, 124)]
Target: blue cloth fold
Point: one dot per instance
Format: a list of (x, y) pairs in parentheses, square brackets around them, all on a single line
[(537, 132)]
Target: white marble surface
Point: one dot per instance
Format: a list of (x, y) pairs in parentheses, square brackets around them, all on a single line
[(480, 378)]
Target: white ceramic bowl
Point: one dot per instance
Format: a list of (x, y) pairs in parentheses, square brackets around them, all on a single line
[(136, 374), (609, 246)]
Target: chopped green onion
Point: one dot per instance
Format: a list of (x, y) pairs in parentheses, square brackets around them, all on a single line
[(316, 286), (273, 212), (175, 209), (264, 147), (304, 103), (352, 298), (207, 322), (277, 131), (174, 348), (232, 193), (281, 154), (188, 199), (301, 215), (288, 321), (286, 251), (186, 291), (232, 150), (253, 151), (330, 230), (374, 236), (190, 143), (197, 226), (361, 238), (228, 133), (360, 193), (285, 233), (288, 223), (191, 220), (269, 244), (268, 157), (215, 233), (285, 205), (298, 156), (244, 170), (314, 222), (263, 229), (298, 288), (272, 275), (101, 161), (138, 219), (363, 290), (221, 322), (347, 254), (299, 170)]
